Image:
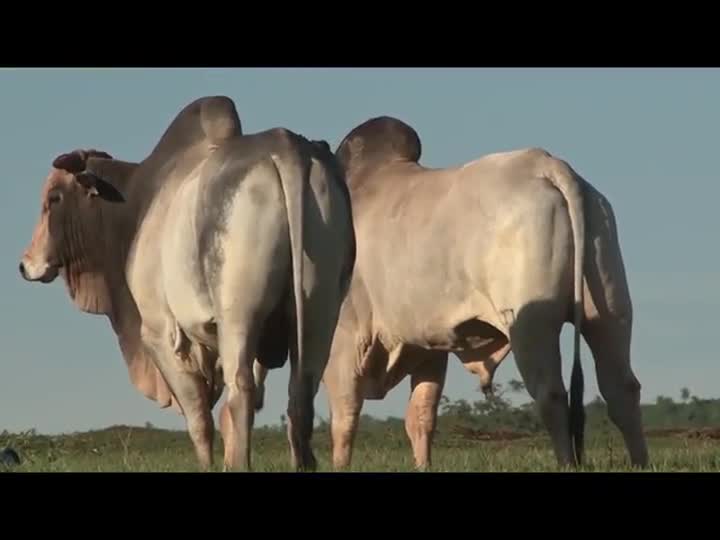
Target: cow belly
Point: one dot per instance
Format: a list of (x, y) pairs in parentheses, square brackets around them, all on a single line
[(466, 325)]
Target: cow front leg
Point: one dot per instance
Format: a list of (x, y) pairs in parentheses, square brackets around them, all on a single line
[(344, 418), (193, 395), (426, 383), (342, 382)]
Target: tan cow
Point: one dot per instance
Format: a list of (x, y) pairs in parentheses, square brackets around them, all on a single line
[(474, 260), (221, 244)]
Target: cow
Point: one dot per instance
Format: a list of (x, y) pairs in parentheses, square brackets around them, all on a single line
[(478, 259), (214, 250)]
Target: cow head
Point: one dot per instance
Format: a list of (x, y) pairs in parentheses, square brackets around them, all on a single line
[(69, 197)]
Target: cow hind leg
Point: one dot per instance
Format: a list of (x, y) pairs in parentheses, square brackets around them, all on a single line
[(427, 381), (301, 413), (322, 309), (304, 384), (536, 347), (237, 356), (609, 342)]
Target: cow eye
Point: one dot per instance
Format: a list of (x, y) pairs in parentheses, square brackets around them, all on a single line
[(54, 198)]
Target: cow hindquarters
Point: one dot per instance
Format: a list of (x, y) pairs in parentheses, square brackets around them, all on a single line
[(609, 341)]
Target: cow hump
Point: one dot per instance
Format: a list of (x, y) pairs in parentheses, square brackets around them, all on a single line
[(213, 119), (380, 139)]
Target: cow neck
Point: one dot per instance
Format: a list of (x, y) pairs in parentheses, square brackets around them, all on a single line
[(94, 274)]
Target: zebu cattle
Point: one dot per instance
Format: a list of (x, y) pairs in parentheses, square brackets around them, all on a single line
[(218, 243)]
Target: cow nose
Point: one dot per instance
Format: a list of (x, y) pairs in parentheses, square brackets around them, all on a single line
[(22, 270)]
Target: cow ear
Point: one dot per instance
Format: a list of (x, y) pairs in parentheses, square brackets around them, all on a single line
[(73, 162), (97, 187)]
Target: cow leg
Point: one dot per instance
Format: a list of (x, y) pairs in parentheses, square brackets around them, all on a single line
[(237, 354), (303, 387), (322, 307), (342, 384), (426, 383), (259, 374), (345, 406), (536, 347), (193, 396), (301, 414), (609, 341)]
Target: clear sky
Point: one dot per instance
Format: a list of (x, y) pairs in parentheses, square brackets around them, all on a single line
[(647, 138)]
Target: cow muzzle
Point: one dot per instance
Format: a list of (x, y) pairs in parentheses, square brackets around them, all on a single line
[(44, 272)]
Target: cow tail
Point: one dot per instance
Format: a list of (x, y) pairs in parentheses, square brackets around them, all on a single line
[(293, 187), (569, 184)]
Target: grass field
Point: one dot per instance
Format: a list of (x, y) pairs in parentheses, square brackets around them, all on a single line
[(139, 449)]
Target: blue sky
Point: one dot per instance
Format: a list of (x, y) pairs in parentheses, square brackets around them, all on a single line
[(646, 138)]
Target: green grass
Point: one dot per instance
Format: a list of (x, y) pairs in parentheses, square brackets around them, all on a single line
[(384, 448)]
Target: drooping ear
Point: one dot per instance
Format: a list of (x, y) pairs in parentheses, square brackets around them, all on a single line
[(97, 187), (74, 162)]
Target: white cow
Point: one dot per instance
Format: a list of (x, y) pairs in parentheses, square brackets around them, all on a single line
[(221, 243)]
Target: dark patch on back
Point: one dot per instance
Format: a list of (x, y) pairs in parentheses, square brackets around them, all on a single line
[(380, 139)]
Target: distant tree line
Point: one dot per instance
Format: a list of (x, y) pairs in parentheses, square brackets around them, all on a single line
[(496, 412)]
